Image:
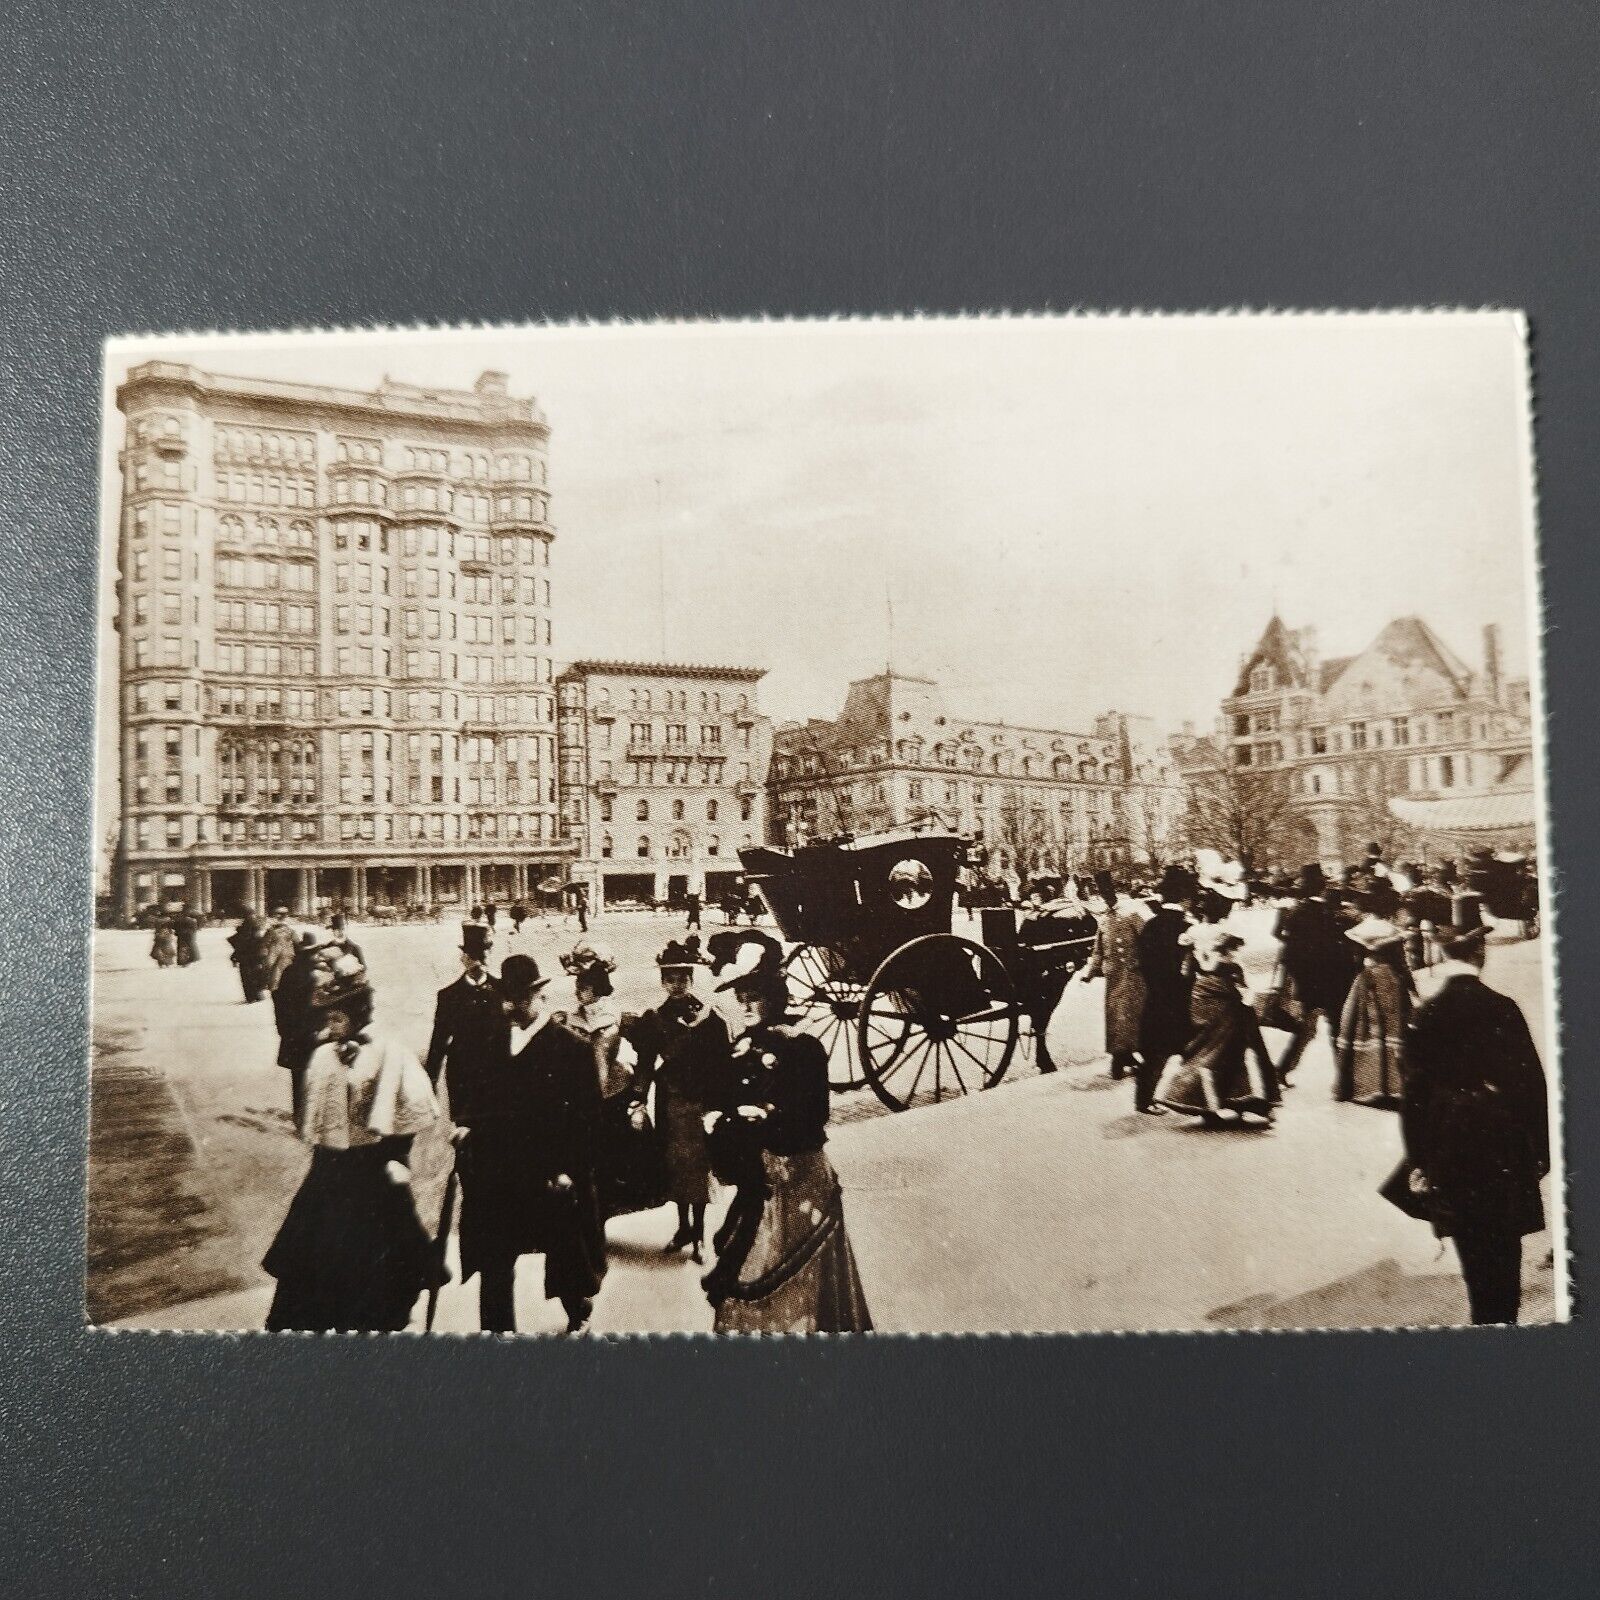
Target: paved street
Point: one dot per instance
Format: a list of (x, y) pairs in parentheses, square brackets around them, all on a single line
[(1046, 1204)]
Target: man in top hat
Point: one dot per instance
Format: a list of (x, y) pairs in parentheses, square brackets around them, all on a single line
[(1476, 1127), (1116, 959), (1317, 959), (297, 1010), (467, 1024), (1161, 954), (277, 947)]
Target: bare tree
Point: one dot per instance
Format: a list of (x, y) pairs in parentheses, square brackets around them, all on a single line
[(1022, 831), (1244, 814), (1372, 784), (1154, 814)]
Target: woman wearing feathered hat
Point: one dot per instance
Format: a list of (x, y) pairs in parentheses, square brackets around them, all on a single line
[(784, 1263), (1224, 1067), (680, 1044), (629, 1163), (352, 1255), (1369, 1048)]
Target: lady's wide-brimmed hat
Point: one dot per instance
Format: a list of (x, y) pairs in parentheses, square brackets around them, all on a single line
[(588, 953), (1210, 938), (520, 977), (1225, 878), (344, 983), (1373, 933), (756, 961)]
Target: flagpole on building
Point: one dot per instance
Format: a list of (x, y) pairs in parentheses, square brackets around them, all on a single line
[(661, 570)]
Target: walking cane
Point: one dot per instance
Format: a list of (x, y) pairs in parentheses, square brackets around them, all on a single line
[(447, 1214)]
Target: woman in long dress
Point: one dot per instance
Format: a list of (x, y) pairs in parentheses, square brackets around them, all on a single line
[(352, 1255), (1369, 1051), (785, 1264), (1224, 1066), (679, 1043), (629, 1158)]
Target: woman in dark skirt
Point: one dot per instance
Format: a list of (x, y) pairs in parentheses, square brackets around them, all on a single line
[(679, 1044), (1369, 1050), (629, 1158), (352, 1255), (1224, 1066), (784, 1261)]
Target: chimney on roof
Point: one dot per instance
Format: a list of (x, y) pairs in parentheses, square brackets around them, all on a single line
[(1491, 661)]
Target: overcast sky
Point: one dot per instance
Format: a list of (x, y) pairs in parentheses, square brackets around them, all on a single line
[(1069, 514)]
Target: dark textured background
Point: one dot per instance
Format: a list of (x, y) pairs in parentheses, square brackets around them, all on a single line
[(172, 164)]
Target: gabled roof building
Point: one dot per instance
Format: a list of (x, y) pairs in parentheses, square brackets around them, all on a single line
[(1406, 719)]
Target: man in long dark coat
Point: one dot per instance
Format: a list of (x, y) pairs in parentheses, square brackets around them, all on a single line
[(1116, 959), (527, 1138), (467, 1023), (246, 943), (298, 1017), (277, 947), (1476, 1127), (1317, 959), (1163, 964)]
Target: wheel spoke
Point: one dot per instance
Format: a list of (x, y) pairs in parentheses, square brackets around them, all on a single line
[(955, 1068), (981, 1064)]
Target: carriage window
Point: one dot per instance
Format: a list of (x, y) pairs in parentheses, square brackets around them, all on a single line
[(911, 884)]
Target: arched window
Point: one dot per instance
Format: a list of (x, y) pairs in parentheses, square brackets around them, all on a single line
[(678, 849), (677, 811), (644, 845), (713, 846), (641, 811), (711, 810), (607, 845)]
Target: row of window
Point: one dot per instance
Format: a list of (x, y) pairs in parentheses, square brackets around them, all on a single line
[(254, 444), (1365, 734), (641, 810), (1000, 764), (679, 846), (666, 700), (267, 489), (251, 572), (265, 616)]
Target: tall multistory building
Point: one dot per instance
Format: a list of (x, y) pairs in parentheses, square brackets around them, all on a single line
[(663, 774), (1036, 799), (334, 618), (1362, 741)]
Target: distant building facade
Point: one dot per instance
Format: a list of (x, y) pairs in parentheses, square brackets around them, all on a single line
[(335, 644), (663, 772), (1405, 718), (1037, 799)]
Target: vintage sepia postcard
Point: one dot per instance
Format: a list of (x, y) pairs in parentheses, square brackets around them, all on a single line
[(1008, 824)]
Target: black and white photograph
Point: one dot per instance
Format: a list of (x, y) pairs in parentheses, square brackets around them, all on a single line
[(1004, 824)]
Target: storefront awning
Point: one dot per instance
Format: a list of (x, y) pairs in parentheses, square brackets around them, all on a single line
[(1508, 813)]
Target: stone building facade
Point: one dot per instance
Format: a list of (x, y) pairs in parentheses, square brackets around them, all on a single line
[(335, 639), (1404, 718), (1035, 798), (663, 774)]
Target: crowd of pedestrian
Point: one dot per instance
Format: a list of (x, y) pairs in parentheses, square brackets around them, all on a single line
[(560, 1119), (1459, 1066)]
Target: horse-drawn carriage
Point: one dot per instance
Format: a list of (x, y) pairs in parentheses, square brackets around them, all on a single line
[(900, 1000)]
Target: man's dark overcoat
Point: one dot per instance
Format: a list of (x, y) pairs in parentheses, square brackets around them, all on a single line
[(1164, 1026), (1474, 1113), (469, 1029), (1320, 962), (535, 1118)]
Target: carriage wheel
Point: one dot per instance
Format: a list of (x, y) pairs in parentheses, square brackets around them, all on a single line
[(827, 1005), (939, 1019)]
